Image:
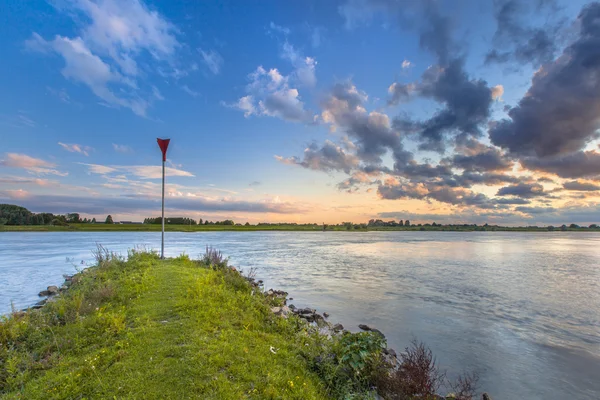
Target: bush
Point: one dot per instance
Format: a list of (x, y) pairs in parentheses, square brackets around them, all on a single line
[(213, 257)]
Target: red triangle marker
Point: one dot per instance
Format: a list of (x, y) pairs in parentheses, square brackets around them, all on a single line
[(163, 144)]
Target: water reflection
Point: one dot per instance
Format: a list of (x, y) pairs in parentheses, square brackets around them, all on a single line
[(520, 308)]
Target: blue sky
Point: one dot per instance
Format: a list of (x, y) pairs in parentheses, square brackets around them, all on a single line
[(285, 111)]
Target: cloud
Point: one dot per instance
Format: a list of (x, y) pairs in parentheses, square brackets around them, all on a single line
[(76, 148), (136, 204), (254, 183), (581, 186), (189, 91), (104, 55), (480, 158), (522, 43), (18, 180), (142, 171), (212, 60), (271, 95), (535, 210), (560, 113), (83, 66), (344, 108), (400, 92), (497, 92), (305, 67), (406, 64), (121, 148), (574, 165), (329, 157), (466, 106), (278, 28), (19, 121), (523, 190), (30, 164)]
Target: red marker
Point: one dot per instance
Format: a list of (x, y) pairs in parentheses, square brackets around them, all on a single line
[(163, 144)]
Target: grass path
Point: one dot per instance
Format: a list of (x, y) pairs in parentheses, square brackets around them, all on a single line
[(164, 329)]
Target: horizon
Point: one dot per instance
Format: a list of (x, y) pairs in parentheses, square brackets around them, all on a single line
[(345, 111)]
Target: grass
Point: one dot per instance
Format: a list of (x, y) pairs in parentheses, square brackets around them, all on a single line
[(148, 328)]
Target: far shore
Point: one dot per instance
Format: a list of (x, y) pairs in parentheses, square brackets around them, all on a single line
[(100, 227)]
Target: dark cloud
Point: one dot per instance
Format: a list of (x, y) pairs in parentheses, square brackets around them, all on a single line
[(545, 179), (488, 159), (466, 104), (443, 194), (581, 186), (344, 107), (560, 113), (512, 201), (329, 157), (115, 205), (535, 210), (521, 43), (575, 165), (400, 92), (524, 190)]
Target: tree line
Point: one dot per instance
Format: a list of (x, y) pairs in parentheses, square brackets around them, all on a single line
[(186, 221)]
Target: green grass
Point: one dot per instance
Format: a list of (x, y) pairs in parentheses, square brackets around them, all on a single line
[(148, 328)]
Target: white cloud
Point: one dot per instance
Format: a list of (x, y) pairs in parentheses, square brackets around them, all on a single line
[(121, 148), (271, 95), (279, 28), (212, 60), (30, 164), (157, 94), (246, 104), (406, 64), (76, 148), (141, 171), (189, 91), (83, 66), (304, 66), (103, 56), (122, 29)]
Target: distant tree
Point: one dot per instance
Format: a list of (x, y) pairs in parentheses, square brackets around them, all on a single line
[(401, 223), (563, 227), (206, 222), (593, 226), (73, 218), (109, 220), (407, 223), (93, 220), (550, 228), (247, 224), (200, 221), (573, 226)]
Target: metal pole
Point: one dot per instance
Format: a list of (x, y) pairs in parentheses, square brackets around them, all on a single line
[(162, 243)]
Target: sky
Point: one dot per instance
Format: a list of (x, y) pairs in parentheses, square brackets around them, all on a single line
[(303, 111)]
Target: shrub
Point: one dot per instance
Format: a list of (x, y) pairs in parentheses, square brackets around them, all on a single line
[(213, 257)]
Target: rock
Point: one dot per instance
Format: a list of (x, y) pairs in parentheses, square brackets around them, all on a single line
[(338, 327), (283, 311), (326, 315), (305, 311), (52, 290), (486, 396), (291, 298), (321, 323), (68, 278), (390, 352), (44, 293), (371, 329)]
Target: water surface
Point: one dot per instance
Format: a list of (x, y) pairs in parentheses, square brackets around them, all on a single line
[(522, 309)]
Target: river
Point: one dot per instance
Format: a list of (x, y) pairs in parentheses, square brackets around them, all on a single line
[(521, 309)]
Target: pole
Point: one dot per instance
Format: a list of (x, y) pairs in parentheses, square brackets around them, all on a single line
[(163, 144), (162, 242)]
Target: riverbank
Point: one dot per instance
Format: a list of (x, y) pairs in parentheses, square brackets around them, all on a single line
[(283, 227), (177, 328)]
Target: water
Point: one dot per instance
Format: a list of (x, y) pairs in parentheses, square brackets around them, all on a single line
[(522, 309)]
